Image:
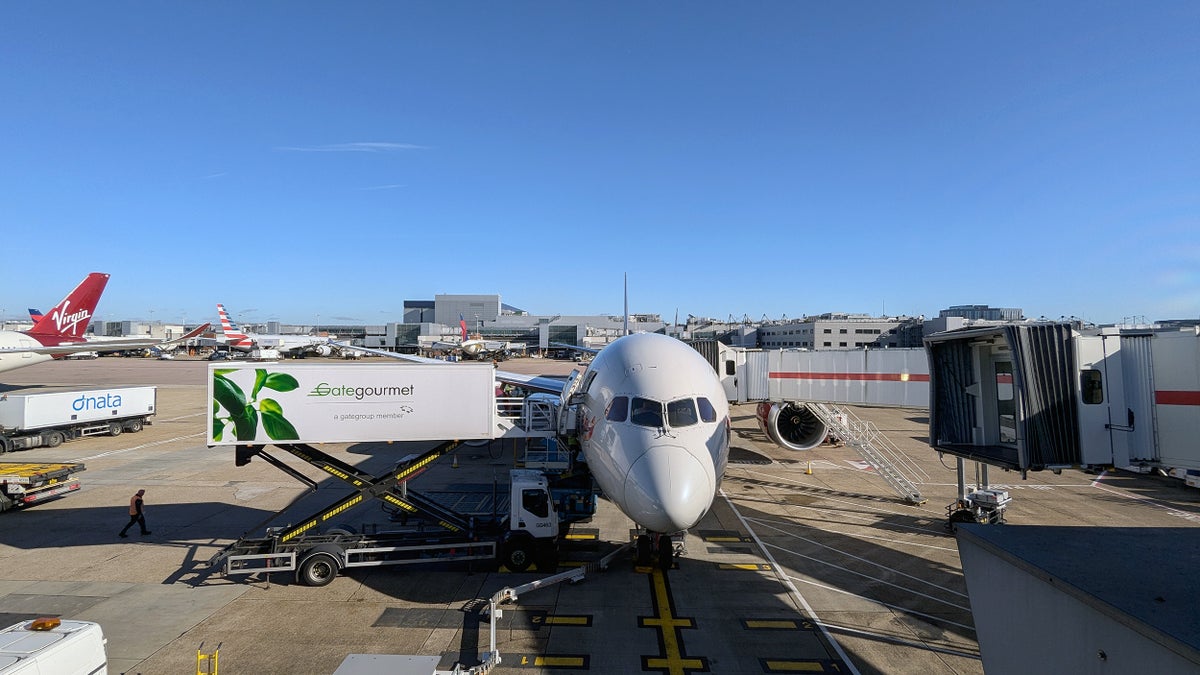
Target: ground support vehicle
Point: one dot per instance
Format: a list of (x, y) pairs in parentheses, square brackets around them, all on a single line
[(23, 484), (50, 418), (51, 645), (316, 549)]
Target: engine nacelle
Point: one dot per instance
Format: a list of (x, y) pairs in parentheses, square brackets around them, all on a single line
[(791, 425), (322, 350)]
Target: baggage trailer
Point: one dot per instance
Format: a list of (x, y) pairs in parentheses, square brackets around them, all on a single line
[(23, 484), (525, 535), (50, 418)]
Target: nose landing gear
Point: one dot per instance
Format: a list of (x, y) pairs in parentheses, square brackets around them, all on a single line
[(654, 549)]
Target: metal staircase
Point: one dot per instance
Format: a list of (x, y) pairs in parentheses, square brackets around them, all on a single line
[(888, 461)]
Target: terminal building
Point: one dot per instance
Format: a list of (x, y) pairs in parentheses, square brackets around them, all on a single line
[(424, 323)]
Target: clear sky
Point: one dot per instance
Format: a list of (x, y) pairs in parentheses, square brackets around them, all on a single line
[(299, 159)]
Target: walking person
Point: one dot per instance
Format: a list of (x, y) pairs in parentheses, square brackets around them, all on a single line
[(136, 515)]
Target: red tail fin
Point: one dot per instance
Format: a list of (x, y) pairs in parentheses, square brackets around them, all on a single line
[(68, 320)]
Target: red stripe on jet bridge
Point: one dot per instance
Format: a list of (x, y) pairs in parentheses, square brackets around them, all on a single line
[(1177, 397), (853, 377)]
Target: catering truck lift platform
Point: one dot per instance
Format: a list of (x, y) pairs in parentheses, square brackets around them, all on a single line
[(317, 548)]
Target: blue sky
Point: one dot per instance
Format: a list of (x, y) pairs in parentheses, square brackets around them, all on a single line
[(299, 159)]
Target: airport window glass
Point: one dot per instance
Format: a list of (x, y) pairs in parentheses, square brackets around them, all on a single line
[(618, 409), (647, 413), (707, 412), (681, 413), (730, 368), (1091, 385)]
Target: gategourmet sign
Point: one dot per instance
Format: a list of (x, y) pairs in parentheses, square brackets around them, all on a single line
[(263, 403)]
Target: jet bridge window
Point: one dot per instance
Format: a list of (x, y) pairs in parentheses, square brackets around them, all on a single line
[(681, 413), (618, 409), (1091, 385), (647, 413), (707, 412)]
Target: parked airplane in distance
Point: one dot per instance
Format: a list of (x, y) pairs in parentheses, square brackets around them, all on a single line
[(60, 332), (653, 426), (475, 347), (286, 345)]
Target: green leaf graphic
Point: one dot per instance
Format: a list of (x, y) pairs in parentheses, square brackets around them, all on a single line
[(246, 424), (277, 426), (260, 376), (281, 382), (228, 394), (218, 428)]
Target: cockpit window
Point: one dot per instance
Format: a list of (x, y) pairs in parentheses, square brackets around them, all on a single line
[(618, 409), (707, 412), (681, 413), (647, 413)]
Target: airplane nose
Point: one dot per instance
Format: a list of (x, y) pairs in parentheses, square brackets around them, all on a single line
[(668, 489)]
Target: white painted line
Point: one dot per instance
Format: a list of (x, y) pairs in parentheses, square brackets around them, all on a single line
[(885, 583), (884, 604), (786, 580), (899, 542), (138, 447)]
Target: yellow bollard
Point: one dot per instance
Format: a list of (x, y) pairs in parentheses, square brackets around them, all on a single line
[(809, 471), (201, 657), (455, 464)]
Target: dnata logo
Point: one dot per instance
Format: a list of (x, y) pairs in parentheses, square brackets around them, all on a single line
[(72, 323), (98, 402)]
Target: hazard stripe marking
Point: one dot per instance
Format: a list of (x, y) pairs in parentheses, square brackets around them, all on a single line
[(800, 666), (557, 661), (777, 624), (745, 567)]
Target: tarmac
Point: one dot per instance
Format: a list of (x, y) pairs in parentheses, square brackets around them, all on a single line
[(807, 562)]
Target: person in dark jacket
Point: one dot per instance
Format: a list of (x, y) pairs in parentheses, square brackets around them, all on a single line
[(136, 515)]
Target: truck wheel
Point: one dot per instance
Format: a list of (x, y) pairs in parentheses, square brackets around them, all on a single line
[(317, 570), (133, 426), (53, 439), (518, 554), (5, 445), (114, 429)]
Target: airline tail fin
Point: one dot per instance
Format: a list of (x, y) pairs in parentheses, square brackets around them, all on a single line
[(35, 315), (462, 324), (68, 320), (228, 327)]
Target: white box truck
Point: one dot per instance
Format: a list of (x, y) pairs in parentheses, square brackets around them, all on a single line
[(49, 418), (51, 645)]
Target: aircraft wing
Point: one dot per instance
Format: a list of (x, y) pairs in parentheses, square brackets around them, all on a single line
[(549, 385), (102, 345), (561, 345)]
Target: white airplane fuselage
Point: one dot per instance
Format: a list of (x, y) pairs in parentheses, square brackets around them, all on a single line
[(662, 471), (14, 339)]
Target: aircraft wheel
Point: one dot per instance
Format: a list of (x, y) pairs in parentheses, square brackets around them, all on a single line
[(518, 554), (114, 429), (317, 570), (666, 552), (53, 439), (645, 550)]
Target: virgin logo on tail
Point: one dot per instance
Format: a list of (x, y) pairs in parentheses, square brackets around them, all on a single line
[(70, 318), (72, 324)]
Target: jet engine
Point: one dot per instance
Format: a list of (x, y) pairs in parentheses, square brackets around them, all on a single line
[(791, 425), (322, 350)]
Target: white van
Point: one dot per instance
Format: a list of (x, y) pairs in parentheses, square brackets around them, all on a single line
[(53, 647)]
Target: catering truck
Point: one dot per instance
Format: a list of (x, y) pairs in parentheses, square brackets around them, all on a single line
[(49, 418), (294, 407)]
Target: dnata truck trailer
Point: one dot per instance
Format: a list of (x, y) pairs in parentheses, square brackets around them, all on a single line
[(294, 407), (48, 419)]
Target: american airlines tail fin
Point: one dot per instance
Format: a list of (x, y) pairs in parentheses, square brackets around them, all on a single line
[(68, 320), (234, 337)]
